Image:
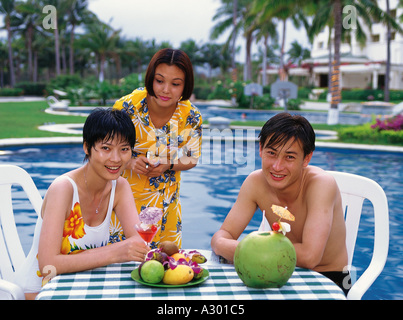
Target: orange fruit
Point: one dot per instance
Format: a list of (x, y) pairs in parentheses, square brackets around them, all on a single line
[(178, 256)]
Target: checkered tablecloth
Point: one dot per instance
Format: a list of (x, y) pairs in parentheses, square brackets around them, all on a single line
[(115, 282)]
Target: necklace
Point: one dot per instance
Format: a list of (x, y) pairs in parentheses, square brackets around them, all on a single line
[(86, 186)]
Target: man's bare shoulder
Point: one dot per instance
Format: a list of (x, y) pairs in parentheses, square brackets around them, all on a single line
[(318, 175), (254, 182), (319, 181), (256, 176)]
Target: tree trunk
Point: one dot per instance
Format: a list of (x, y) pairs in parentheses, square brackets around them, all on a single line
[(10, 53), (248, 62), (29, 45), (282, 71), (264, 64), (57, 50), (101, 77), (329, 76), (71, 55), (387, 72), (333, 115)]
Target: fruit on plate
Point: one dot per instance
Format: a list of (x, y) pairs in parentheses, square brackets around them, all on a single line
[(174, 265), (178, 256), (198, 258), (168, 247), (152, 271), (265, 259), (199, 274), (180, 275)]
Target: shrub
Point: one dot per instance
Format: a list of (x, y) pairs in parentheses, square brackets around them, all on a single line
[(294, 104), (201, 92), (130, 83), (395, 124), (366, 134), (220, 91), (11, 92), (32, 88), (263, 102), (303, 93)]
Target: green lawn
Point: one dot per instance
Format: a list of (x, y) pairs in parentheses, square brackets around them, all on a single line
[(22, 119)]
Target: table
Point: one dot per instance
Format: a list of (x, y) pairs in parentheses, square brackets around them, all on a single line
[(114, 282)]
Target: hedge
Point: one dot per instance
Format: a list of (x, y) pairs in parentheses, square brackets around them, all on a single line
[(368, 135)]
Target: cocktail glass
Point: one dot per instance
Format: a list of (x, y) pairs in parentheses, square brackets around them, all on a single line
[(147, 231)]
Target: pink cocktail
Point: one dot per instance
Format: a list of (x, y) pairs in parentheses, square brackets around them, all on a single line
[(146, 231), (149, 223)]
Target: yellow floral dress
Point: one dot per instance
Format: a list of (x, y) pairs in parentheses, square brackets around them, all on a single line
[(181, 135)]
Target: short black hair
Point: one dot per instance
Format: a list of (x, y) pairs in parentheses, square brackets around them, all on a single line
[(283, 126), (171, 57), (104, 124)]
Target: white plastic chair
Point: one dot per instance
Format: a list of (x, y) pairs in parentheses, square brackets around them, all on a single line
[(57, 105), (354, 190), (12, 255)]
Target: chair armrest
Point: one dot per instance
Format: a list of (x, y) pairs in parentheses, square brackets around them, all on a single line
[(11, 288)]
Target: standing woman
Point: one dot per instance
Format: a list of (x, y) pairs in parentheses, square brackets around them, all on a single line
[(168, 138)]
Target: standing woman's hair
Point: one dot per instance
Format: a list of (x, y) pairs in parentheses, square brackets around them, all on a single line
[(171, 57), (106, 124)]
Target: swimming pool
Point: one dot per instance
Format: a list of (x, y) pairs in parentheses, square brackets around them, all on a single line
[(235, 114), (209, 190)]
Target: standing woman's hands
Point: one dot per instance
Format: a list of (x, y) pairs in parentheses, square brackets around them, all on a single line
[(142, 165), (139, 165)]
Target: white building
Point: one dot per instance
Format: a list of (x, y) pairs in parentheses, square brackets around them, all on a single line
[(360, 67)]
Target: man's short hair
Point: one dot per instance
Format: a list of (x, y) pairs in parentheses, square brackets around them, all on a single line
[(283, 127)]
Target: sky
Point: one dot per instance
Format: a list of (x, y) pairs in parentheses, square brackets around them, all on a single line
[(172, 20)]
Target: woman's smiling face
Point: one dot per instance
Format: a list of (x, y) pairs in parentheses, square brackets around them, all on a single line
[(169, 82)]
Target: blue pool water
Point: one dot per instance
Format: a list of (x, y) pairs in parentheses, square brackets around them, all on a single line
[(209, 190), (237, 114)]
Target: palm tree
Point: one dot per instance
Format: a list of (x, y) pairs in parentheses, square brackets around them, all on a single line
[(388, 37), (243, 21), (7, 7), (192, 50), (211, 54), (102, 40), (369, 12), (283, 10), (137, 53), (297, 53), (57, 4), (3, 60), (28, 21), (265, 30), (77, 12)]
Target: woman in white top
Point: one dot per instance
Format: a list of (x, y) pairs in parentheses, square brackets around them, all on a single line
[(77, 208)]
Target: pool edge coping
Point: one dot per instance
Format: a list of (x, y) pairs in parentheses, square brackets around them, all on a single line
[(11, 142)]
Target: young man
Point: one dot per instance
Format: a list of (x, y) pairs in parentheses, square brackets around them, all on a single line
[(310, 194)]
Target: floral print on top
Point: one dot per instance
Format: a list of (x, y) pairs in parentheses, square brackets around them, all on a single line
[(182, 134)]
